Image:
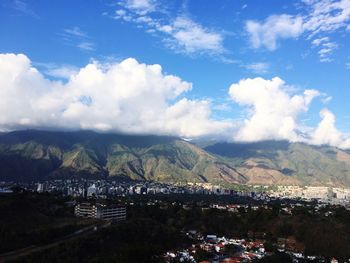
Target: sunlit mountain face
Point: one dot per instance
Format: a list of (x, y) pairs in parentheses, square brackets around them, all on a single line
[(44, 155)]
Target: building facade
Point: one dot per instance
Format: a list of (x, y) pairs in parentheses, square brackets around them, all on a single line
[(100, 211)]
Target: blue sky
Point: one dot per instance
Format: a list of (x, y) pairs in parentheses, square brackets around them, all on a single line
[(210, 44)]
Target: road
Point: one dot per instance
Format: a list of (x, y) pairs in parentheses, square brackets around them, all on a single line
[(16, 254)]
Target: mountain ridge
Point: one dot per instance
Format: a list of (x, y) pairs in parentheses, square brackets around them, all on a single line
[(38, 155)]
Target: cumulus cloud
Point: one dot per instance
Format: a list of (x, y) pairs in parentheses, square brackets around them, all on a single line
[(128, 97), (273, 111), (63, 71), (132, 97), (327, 134)]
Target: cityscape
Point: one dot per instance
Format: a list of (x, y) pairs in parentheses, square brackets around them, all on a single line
[(103, 189), (180, 131), (112, 201)]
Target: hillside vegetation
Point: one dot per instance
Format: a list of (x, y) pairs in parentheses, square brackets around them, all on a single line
[(37, 155)]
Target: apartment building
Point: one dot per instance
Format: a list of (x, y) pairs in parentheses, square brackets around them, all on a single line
[(100, 211)]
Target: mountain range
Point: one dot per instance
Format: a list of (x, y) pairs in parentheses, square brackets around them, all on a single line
[(33, 155)]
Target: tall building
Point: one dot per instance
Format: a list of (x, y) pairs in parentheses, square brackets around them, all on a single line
[(101, 211), (40, 188), (92, 191)]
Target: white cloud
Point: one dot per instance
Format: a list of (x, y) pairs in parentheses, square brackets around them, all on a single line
[(222, 107), (327, 15), (76, 37), (327, 49), (275, 27), (326, 46), (347, 65), (120, 13), (258, 68), (132, 97), (126, 97), (318, 41), (64, 72), (58, 71), (180, 34), (85, 45), (141, 7), (273, 111), (75, 31), (185, 35), (326, 99), (23, 7), (327, 134), (320, 17)]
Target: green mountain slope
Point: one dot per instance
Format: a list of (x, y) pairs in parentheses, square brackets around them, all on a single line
[(30, 155), (34, 155)]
